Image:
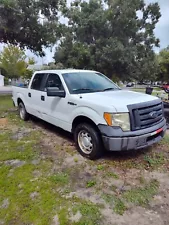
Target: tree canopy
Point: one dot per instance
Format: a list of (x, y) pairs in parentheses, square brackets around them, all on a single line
[(163, 61), (29, 23), (115, 37)]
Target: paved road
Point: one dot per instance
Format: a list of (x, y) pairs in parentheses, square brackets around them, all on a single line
[(5, 90)]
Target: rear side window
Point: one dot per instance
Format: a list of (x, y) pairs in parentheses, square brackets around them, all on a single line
[(37, 81)]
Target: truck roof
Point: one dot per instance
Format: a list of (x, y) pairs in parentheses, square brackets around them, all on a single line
[(63, 71)]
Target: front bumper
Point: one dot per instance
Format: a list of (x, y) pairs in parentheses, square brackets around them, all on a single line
[(115, 139)]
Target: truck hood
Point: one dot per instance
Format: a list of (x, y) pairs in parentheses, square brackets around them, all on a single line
[(118, 99)]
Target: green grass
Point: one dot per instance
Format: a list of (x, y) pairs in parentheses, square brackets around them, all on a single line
[(17, 149), (116, 203), (60, 178), (76, 160), (63, 216), (19, 182), (5, 103), (165, 140), (155, 160), (119, 207), (142, 180), (143, 90), (51, 186), (100, 167), (90, 214), (111, 174), (91, 183), (142, 195)]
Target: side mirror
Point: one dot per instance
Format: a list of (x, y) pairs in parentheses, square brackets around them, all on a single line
[(55, 92)]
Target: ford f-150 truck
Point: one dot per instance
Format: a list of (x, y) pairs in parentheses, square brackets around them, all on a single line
[(98, 113)]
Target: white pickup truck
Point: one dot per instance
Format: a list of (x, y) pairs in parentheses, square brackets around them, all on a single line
[(98, 113)]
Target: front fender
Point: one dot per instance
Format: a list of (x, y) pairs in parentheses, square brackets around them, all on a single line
[(88, 112)]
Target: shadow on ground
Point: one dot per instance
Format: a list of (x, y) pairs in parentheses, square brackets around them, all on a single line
[(115, 155)]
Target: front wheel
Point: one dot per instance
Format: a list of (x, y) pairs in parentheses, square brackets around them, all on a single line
[(88, 141), (22, 112)]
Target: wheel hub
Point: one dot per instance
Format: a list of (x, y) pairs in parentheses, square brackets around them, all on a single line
[(86, 142)]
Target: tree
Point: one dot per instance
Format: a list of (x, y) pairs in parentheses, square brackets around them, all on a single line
[(31, 61), (111, 39), (53, 66), (13, 61), (163, 60), (27, 74), (29, 23)]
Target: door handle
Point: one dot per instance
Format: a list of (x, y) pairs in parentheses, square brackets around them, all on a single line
[(43, 98), (29, 95)]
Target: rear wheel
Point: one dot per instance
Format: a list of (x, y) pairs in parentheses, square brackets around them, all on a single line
[(88, 141), (22, 112)]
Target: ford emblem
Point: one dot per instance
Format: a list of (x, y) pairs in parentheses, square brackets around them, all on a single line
[(153, 115)]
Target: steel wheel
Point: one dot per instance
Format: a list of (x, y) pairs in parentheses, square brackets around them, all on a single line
[(88, 141), (85, 142), (22, 111)]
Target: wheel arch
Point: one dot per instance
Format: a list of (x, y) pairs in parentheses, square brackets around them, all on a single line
[(19, 100), (83, 119)]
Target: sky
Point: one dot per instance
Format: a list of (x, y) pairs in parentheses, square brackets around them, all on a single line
[(162, 28), (161, 32)]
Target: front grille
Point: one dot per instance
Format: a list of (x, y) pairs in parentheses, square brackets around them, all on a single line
[(145, 115)]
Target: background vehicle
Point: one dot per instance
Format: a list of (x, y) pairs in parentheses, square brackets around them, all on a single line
[(131, 84), (98, 113), (165, 87)]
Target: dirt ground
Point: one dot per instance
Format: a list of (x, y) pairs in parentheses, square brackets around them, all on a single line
[(128, 173), (126, 188)]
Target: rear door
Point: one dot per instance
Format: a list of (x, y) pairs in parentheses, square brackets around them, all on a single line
[(34, 94)]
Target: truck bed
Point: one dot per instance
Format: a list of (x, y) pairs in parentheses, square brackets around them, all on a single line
[(19, 91)]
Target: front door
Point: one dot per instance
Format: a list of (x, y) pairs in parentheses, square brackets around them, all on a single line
[(55, 109)]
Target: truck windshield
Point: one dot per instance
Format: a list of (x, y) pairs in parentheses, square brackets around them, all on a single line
[(87, 82)]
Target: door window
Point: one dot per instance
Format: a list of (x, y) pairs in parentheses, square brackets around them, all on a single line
[(37, 81), (54, 81)]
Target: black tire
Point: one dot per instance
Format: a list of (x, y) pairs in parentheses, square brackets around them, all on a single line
[(22, 112), (97, 147)]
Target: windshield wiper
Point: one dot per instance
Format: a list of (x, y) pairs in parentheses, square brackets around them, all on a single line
[(84, 89), (108, 89)]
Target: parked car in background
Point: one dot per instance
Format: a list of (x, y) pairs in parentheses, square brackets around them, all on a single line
[(140, 82), (96, 111), (165, 87), (131, 84)]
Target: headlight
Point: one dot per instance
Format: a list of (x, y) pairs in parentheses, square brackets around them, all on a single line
[(118, 120)]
